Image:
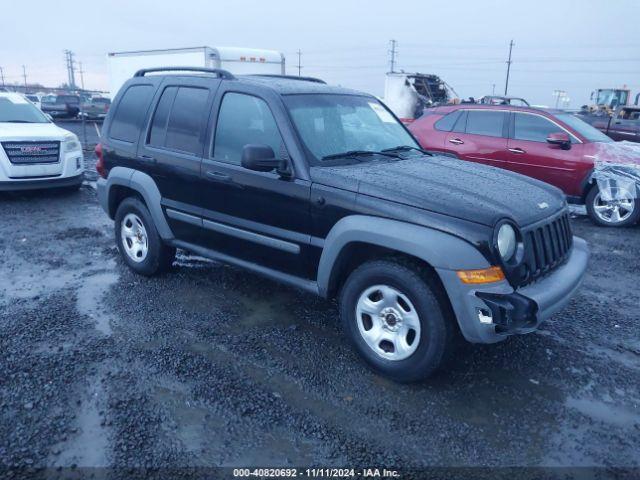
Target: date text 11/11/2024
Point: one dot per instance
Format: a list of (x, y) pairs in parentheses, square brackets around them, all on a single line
[(315, 473)]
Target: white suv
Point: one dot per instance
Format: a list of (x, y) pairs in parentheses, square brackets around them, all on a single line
[(34, 152)]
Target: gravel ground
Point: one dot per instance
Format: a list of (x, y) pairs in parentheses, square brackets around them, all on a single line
[(212, 366)]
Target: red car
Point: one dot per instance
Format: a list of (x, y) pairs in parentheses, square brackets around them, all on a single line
[(553, 146)]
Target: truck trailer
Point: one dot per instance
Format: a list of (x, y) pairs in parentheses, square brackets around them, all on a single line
[(122, 65)]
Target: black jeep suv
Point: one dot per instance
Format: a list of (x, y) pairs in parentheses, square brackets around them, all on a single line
[(323, 188)]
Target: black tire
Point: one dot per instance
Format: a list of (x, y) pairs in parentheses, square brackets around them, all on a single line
[(590, 204), (438, 331), (159, 257)]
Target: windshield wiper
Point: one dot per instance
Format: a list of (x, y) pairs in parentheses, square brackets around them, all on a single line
[(358, 153), (405, 148)]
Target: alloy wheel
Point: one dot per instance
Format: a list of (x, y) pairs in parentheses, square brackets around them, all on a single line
[(388, 322)]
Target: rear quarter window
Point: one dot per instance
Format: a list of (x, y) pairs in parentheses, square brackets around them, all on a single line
[(446, 123), (130, 112)]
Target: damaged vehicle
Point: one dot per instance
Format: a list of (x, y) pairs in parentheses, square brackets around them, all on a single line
[(324, 189), (408, 94), (551, 145)]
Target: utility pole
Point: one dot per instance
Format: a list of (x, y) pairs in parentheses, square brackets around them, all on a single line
[(2, 75), (506, 83), (24, 75), (493, 89), (70, 69), (393, 53), (81, 75), (560, 95), (299, 62)]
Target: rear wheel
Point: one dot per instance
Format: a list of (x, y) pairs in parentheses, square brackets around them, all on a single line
[(138, 240), (617, 208), (392, 315)]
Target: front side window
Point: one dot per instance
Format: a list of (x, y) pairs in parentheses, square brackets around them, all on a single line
[(331, 124), (243, 120), (485, 122), (130, 112), (533, 128)]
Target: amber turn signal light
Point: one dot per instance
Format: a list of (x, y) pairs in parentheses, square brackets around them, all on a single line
[(486, 275)]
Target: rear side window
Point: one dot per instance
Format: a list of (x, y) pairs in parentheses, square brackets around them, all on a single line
[(179, 118), (485, 122), (244, 119), (446, 123), (533, 128), (127, 121), (161, 117)]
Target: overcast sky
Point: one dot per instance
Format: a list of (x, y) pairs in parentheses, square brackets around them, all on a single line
[(573, 45)]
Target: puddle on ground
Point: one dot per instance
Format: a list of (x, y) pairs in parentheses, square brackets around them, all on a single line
[(89, 299), (24, 280), (88, 448), (614, 415)]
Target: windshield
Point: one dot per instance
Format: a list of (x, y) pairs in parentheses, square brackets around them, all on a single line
[(612, 97), (332, 124), (589, 133), (49, 99), (15, 109)]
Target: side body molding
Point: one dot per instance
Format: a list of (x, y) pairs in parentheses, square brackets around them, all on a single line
[(145, 186), (441, 250)]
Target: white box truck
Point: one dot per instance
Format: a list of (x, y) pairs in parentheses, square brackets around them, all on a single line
[(122, 65)]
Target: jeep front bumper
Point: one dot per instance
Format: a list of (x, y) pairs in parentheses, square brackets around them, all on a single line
[(488, 313)]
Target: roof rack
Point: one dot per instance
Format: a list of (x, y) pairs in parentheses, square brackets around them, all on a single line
[(218, 71), (288, 77)]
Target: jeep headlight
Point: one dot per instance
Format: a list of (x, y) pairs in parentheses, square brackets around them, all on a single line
[(71, 143), (507, 242)]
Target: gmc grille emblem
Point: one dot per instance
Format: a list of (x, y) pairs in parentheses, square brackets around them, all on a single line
[(30, 149)]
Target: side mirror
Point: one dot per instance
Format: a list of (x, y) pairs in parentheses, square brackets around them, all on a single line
[(560, 139), (259, 158)]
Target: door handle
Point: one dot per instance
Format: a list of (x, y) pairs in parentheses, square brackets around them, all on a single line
[(223, 178), (517, 150), (456, 141), (146, 158), (219, 177)]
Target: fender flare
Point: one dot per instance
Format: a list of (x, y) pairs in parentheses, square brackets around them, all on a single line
[(147, 188), (439, 249)]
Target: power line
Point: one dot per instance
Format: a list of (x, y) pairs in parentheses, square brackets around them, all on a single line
[(506, 83)]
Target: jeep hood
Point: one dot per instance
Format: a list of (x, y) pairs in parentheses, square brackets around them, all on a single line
[(445, 185)]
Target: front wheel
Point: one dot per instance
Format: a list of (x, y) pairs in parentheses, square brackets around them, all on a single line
[(392, 314), (615, 208)]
